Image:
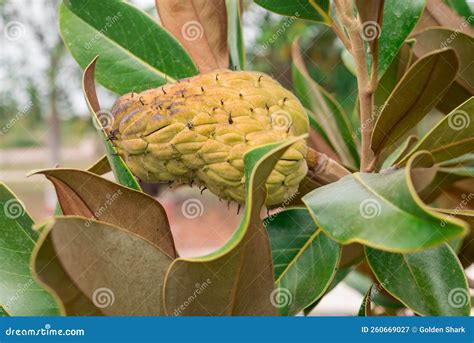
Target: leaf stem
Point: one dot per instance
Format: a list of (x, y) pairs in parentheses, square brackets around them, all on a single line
[(345, 12)]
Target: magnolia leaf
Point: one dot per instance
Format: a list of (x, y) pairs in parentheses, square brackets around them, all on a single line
[(433, 38), (361, 282), (462, 8), (430, 282), (101, 166), (415, 95), (338, 278), (201, 27), (329, 114), (371, 16), (85, 194), (136, 53), (103, 120), (237, 279), (365, 309), (439, 14), (48, 270), (235, 36), (400, 17), (304, 258), (393, 75), (120, 272), (382, 211), (452, 137), (3, 312), (400, 152), (20, 294), (314, 10)]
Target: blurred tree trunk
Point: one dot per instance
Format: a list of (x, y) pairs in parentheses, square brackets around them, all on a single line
[(54, 134)]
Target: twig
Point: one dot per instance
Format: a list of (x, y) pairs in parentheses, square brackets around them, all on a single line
[(353, 26), (322, 169), (337, 30)]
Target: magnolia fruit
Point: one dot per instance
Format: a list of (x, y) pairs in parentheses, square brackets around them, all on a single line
[(198, 130)]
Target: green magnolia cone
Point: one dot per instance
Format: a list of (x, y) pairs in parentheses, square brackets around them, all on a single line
[(199, 129)]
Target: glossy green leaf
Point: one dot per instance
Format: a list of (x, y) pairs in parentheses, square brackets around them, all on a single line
[(361, 283), (462, 9), (314, 10), (20, 294), (399, 19), (304, 258), (3, 312), (393, 75), (380, 210), (136, 52), (235, 39), (87, 195), (416, 94), (436, 37), (121, 171), (430, 282), (120, 272), (239, 276), (452, 137), (338, 277), (365, 309), (400, 151), (329, 114)]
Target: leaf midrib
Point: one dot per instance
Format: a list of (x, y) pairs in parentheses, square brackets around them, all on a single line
[(123, 49)]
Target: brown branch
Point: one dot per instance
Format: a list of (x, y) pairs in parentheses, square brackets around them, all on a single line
[(353, 26), (322, 169), (342, 36)]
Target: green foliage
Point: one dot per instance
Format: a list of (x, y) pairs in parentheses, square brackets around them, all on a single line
[(20, 294)]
